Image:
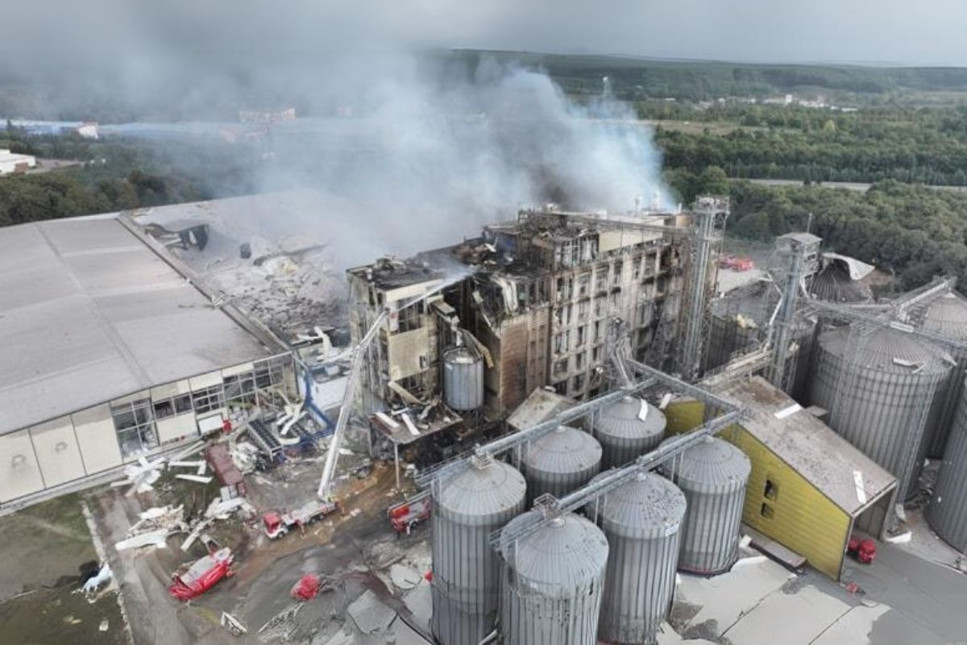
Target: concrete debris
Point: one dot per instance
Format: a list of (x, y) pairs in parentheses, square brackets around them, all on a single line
[(420, 604), (245, 456), (195, 478), (195, 533), (902, 538), (186, 464), (157, 538), (222, 509), (104, 625), (369, 613), (160, 517), (404, 577), (232, 624)]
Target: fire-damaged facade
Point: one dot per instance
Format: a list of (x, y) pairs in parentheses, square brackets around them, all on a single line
[(540, 301)]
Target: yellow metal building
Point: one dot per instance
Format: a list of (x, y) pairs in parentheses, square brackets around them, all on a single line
[(809, 488)]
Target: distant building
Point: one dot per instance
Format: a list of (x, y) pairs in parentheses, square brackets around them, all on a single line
[(266, 115), (88, 130), (11, 163)]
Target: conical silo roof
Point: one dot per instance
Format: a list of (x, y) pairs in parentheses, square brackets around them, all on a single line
[(481, 490), (645, 505), (565, 450), (711, 465), (887, 350), (947, 316), (834, 284), (623, 420), (565, 553)]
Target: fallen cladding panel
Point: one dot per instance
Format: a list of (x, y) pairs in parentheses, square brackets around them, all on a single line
[(875, 385), (641, 520), (947, 513), (560, 462), (713, 475), (947, 316), (551, 582), (627, 429), (467, 508)]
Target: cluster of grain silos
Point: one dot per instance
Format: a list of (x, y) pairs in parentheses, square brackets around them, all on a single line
[(642, 520), (947, 512), (559, 462), (880, 386), (467, 508), (627, 429), (551, 582), (713, 475)]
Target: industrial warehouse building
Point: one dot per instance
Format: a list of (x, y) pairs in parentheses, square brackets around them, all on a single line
[(809, 488), (108, 353)]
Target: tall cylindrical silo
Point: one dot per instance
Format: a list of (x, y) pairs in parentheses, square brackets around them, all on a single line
[(642, 520), (467, 507), (947, 316), (738, 320), (947, 513), (880, 386), (627, 429), (559, 462), (551, 582), (713, 475), (463, 379)]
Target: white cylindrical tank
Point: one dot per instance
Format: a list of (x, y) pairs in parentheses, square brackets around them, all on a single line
[(713, 474), (551, 582), (559, 462), (463, 379), (641, 520), (467, 508), (627, 429)]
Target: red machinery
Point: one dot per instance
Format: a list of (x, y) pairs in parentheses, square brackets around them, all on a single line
[(405, 516), (277, 524), (863, 549), (202, 575)]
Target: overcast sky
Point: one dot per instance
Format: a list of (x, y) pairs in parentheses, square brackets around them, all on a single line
[(915, 32)]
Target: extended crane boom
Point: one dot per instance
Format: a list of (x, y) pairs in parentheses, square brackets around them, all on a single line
[(345, 408)]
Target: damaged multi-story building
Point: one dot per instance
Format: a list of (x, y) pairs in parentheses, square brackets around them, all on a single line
[(540, 301)]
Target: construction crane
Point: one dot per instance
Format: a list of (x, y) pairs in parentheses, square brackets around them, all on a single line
[(345, 408)]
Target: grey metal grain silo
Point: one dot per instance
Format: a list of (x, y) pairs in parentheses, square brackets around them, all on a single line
[(947, 513), (463, 379), (713, 474), (559, 462), (642, 520), (879, 386), (947, 316), (627, 429), (551, 582), (467, 507)]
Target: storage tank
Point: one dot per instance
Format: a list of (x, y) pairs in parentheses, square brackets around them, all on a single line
[(642, 520), (551, 582), (882, 382), (947, 316), (467, 507), (713, 475), (947, 512), (559, 462), (463, 379), (627, 429)]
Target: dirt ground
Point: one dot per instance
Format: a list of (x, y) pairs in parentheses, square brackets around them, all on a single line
[(47, 549)]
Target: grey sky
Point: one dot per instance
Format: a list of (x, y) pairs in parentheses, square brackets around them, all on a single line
[(881, 31)]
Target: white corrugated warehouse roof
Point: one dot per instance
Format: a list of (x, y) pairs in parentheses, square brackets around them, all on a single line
[(89, 313)]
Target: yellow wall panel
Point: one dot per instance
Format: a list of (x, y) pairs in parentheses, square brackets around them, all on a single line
[(683, 416), (802, 518)]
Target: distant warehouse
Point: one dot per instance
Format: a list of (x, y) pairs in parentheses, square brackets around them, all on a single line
[(11, 163), (108, 353)]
